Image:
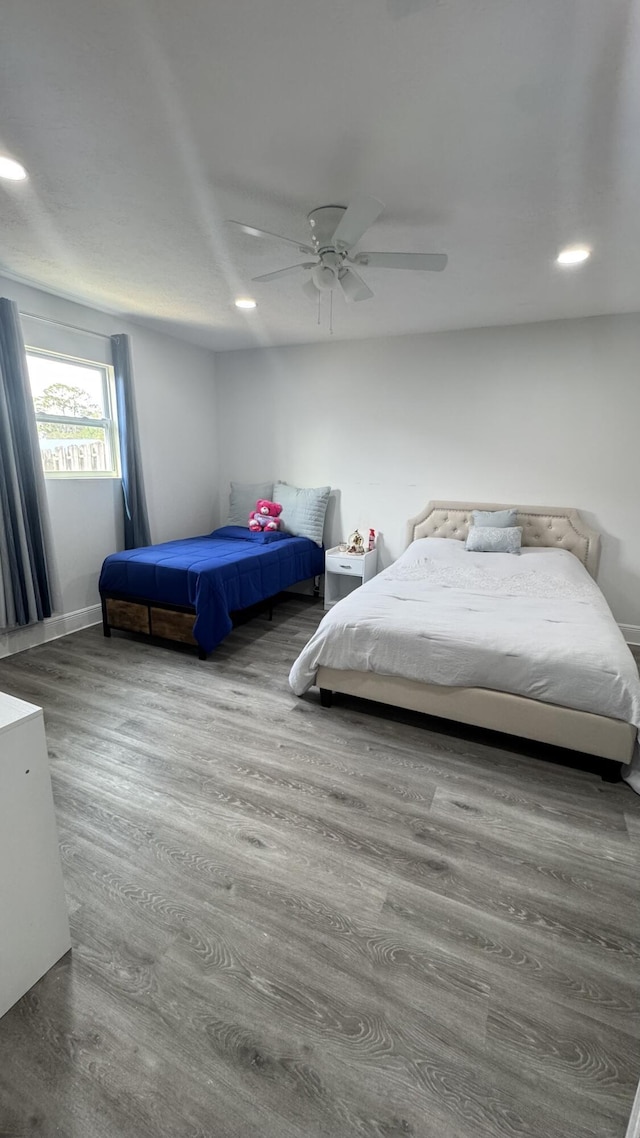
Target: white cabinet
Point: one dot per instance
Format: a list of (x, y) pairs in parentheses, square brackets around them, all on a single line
[(360, 567), (34, 928)]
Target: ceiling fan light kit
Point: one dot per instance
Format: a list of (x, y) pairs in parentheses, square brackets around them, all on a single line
[(335, 230), (324, 276), (310, 291)]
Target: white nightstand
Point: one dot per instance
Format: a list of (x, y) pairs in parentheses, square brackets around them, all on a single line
[(338, 567)]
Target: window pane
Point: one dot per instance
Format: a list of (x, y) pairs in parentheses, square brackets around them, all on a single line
[(59, 387), (62, 388), (75, 449)]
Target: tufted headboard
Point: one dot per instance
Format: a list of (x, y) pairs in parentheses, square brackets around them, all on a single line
[(550, 526)]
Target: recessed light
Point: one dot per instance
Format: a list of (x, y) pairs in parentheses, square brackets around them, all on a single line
[(573, 255), (245, 302), (11, 169)]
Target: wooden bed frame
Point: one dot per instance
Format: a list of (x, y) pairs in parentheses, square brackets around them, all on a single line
[(552, 527), (171, 623), (159, 621), (149, 618)]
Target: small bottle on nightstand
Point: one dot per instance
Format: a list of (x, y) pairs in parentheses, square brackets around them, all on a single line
[(372, 540)]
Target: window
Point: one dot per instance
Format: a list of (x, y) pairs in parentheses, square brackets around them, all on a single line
[(74, 401)]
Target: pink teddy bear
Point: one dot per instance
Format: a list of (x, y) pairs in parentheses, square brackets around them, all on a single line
[(265, 516)]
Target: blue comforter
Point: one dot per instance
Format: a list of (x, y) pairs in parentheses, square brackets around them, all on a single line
[(227, 570)]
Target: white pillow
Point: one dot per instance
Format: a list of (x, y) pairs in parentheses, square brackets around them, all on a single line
[(303, 509), (243, 498)]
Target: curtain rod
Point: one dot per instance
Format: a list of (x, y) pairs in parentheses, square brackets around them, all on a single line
[(61, 324)]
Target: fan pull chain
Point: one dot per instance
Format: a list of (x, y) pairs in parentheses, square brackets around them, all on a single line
[(331, 313), (319, 297)]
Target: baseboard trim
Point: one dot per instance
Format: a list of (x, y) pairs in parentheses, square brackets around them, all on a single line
[(50, 629), (631, 633)]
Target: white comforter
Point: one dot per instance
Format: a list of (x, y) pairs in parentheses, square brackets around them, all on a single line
[(534, 625)]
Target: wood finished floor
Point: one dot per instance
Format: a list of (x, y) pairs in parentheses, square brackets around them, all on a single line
[(296, 922)]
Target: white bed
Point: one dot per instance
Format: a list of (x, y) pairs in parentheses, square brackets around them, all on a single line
[(521, 644)]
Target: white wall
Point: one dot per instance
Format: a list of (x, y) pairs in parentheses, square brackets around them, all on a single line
[(176, 404), (539, 413)]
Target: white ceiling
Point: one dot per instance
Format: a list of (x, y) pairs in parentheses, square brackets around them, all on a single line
[(494, 130)]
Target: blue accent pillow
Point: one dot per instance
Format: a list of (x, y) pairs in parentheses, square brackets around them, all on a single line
[(494, 539), (259, 537), (303, 509), (499, 519)]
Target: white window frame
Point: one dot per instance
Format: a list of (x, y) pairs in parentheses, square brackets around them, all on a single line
[(109, 423)]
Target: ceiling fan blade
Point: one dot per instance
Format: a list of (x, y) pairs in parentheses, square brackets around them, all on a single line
[(284, 272), (310, 291), (425, 262), (353, 286), (254, 232), (362, 213)]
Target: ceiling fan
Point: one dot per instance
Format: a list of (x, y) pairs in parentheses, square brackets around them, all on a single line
[(335, 230)]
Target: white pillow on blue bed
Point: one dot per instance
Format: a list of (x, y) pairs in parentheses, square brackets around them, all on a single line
[(243, 498), (494, 539), (303, 509), (499, 519)]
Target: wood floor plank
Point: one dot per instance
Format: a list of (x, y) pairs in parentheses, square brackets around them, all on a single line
[(632, 821), (518, 959), (583, 1057), (292, 922)]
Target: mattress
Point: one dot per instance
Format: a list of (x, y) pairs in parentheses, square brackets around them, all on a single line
[(533, 624), (217, 574)]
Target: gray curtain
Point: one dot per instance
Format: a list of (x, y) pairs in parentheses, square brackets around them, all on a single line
[(136, 521), (26, 583)]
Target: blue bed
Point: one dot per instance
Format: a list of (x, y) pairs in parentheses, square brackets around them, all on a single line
[(212, 576)]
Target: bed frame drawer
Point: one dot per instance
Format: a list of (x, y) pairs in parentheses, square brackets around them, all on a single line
[(127, 615), (172, 625)]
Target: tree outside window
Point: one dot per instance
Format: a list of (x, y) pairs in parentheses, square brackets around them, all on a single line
[(63, 399)]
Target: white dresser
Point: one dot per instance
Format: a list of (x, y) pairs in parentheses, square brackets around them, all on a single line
[(34, 927)]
